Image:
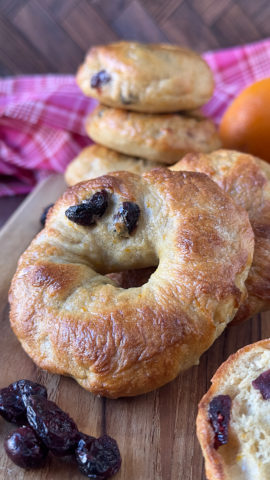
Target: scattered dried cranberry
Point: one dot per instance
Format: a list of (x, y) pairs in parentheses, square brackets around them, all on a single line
[(262, 383), (53, 426), (52, 429), (12, 406), (98, 458), (85, 213), (25, 449), (126, 219), (100, 78), (45, 213), (219, 415)]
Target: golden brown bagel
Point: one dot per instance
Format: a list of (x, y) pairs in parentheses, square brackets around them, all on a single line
[(246, 453), (247, 180), (73, 320), (146, 77), (158, 138), (97, 160)]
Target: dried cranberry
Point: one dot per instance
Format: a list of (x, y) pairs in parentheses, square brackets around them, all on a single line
[(12, 406), (26, 387), (25, 449), (100, 78), (219, 415), (262, 383), (85, 213), (126, 218), (98, 458), (99, 202), (85, 437), (45, 213), (128, 99), (53, 426)]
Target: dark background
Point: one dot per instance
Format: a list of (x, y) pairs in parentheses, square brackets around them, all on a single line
[(38, 36)]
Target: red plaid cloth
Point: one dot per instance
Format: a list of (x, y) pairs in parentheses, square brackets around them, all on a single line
[(42, 117)]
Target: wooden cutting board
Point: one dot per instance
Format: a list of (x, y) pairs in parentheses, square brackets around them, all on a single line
[(155, 432)]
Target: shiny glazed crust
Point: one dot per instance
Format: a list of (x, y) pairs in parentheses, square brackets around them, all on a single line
[(97, 160), (246, 455), (72, 320), (147, 77), (159, 138), (247, 180)]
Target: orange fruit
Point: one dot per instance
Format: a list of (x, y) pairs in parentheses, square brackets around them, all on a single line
[(245, 125)]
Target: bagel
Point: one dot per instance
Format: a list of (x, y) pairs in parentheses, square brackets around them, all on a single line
[(233, 422), (158, 138), (97, 160), (71, 319), (146, 78), (247, 180)]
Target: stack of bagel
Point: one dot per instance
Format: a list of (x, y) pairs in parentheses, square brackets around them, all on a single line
[(148, 117), (136, 273), (148, 114)]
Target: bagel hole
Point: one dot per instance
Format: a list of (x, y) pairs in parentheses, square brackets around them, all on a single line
[(132, 278)]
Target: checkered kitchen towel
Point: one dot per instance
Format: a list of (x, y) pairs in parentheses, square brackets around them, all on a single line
[(42, 117)]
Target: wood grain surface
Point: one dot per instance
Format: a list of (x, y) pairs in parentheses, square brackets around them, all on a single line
[(38, 36), (155, 432)]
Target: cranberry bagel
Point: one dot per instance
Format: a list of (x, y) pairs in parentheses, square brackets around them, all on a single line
[(73, 320), (97, 160), (158, 138), (247, 180), (146, 77), (233, 422)]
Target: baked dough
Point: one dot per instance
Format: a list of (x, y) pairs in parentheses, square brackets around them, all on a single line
[(71, 319), (159, 138), (146, 77), (246, 455), (97, 160), (247, 180)]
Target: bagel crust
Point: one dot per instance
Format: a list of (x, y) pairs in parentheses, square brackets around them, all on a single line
[(246, 454), (73, 320), (146, 77), (158, 138), (97, 160), (247, 180)]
